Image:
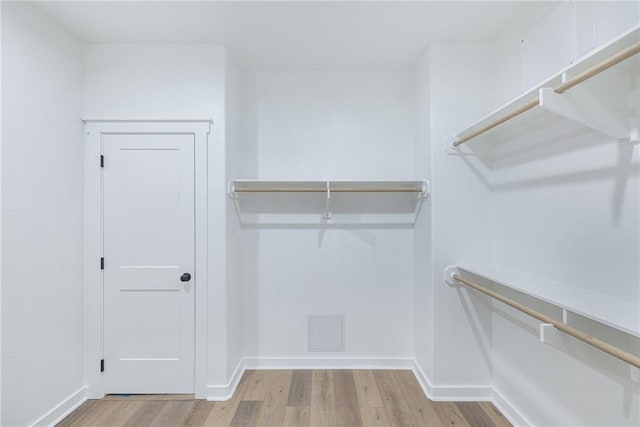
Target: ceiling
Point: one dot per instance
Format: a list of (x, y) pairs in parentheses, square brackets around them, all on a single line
[(296, 34)]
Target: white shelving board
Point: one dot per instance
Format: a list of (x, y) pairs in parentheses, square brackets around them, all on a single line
[(600, 103), (258, 185), (619, 314), (339, 202)]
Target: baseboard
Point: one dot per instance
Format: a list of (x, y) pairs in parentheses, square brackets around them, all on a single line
[(327, 363), (509, 411), (453, 393), (63, 409), (225, 392), (470, 393)]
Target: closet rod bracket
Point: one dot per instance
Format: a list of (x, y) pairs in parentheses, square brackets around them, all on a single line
[(460, 150), (231, 191), (449, 274), (327, 211)]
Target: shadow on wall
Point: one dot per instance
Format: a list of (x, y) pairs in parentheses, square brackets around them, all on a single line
[(625, 375), (500, 178)]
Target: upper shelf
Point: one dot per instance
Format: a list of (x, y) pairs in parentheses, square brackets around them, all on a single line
[(620, 314), (311, 202), (336, 186), (591, 93)]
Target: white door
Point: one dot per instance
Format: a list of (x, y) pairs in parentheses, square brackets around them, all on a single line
[(148, 257)]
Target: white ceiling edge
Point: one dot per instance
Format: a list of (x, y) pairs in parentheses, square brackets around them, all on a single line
[(296, 34)]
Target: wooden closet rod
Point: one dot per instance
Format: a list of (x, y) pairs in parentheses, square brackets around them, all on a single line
[(607, 348), (324, 190), (561, 88)]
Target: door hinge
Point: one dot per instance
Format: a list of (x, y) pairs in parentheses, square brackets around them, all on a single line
[(101, 263), (102, 365), (101, 160)]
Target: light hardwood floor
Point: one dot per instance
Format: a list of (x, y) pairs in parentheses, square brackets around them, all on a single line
[(367, 398)]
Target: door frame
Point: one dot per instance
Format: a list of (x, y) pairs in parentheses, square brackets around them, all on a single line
[(95, 129)]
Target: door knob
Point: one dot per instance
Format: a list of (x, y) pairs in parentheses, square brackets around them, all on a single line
[(185, 277)]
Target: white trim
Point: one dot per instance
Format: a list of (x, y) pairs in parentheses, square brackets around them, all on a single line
[(147, 119), (452, 393), (327, 363), (469, 393), (226, 392), (95, 129), (60, 411), (508, 410)]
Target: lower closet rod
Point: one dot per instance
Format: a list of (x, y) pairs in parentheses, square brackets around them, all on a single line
[(607, 348)]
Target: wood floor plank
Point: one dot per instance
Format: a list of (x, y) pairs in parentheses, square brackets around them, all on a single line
[(297, 416), (346, 399), (247, 414), (255, 386), (322, 401), (300, 391), (374, 417), (145, 413), (367, 389), (83, 411), (296, 398), (275, 401), (450, 415), (422, 410), (174, 413), (396, 409), (495, 415), (199, 413), (120, 415), (222, 413), (473, 413), (115, 413)]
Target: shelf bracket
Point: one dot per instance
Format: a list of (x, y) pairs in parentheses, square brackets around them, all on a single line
[(552, 337), (579, 106), (422, 196), (449, 272), (327, 211), (231, 192), (461, 150)]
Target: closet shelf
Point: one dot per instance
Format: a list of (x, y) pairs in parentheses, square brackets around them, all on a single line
[(279, 202), (591, 93), (335, 186), (619, 314)]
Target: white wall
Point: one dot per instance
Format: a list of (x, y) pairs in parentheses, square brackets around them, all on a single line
[(234, 157), (42, 212), (160, 80), (571, 214), (320, 124), (423, 253), (460, 212), (174, 81), (0, 220)]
